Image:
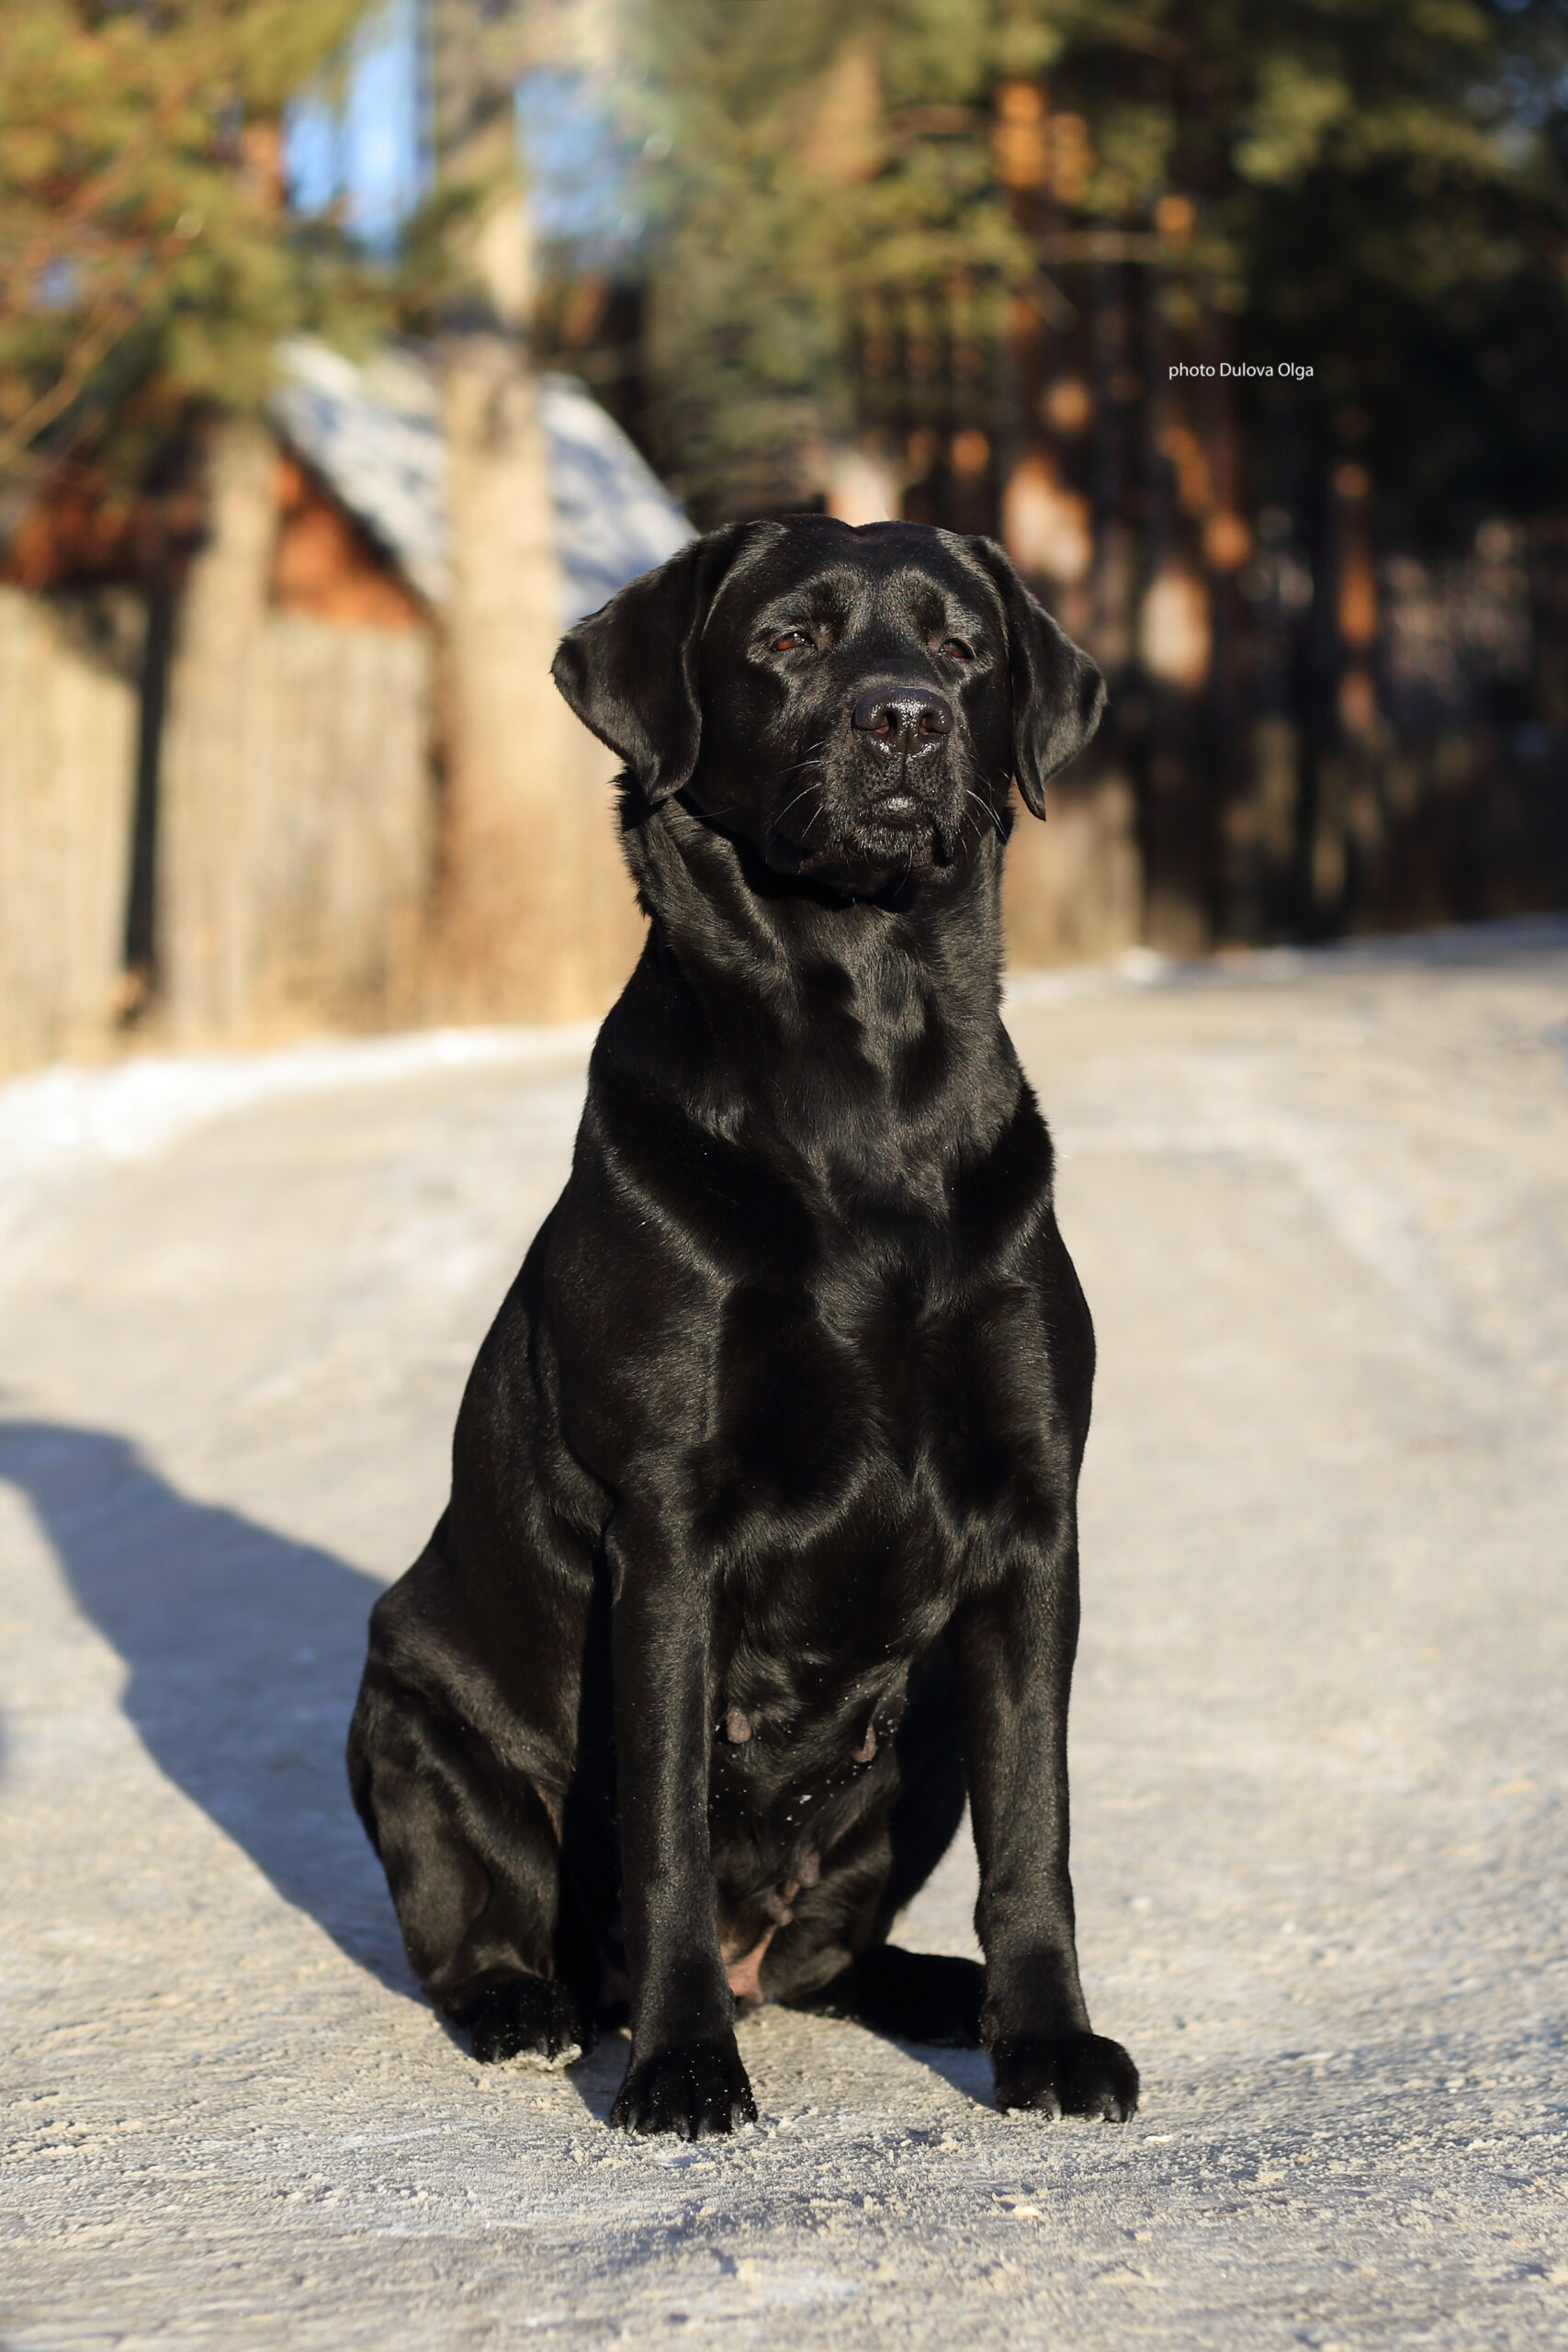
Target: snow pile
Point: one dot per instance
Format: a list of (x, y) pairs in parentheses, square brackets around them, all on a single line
[(66, 1119)]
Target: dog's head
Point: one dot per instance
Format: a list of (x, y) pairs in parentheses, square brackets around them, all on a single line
[(852, 702)]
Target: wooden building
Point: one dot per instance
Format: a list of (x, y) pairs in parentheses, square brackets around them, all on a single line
[(278, 747)]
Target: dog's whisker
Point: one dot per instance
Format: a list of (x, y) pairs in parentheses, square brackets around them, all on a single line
[(799, 796), (813, 759), (987, 811)]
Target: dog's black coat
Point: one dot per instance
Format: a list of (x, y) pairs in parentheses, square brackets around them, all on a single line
[(762, 1547)]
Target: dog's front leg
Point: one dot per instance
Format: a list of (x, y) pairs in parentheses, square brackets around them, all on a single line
[(1015, 1650), (685, 2074)]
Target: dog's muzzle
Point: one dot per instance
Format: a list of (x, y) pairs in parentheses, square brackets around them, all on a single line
[(888, 796), (899, 785), (905, 728)]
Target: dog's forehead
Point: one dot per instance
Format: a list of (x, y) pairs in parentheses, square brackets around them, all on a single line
[(875, 566)]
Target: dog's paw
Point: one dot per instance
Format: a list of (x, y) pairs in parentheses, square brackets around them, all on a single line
[(698, 2090), (525, 2016), (1066, 2074)]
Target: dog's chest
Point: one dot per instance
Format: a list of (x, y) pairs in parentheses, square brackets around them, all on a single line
[(873, 1408)]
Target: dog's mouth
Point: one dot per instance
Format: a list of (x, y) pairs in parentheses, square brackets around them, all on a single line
[(899, 812), (903, 838), (861, 840)]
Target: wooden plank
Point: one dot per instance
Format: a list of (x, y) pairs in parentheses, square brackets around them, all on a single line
[(339, 772), (67, 765), (1073, 888)]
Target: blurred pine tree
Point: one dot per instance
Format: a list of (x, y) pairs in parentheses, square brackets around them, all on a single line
[(146, 262), (1376, 189)]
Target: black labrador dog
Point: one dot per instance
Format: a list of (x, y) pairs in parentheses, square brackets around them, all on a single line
[(762, 1550)]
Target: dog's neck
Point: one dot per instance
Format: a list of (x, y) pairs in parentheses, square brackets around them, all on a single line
[(862, 1035)]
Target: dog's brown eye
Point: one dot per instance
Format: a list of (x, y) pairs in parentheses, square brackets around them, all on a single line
[(792, 640), (957, 647)]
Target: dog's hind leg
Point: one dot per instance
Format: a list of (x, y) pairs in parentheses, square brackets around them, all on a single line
[(473, 1855), (914, 1996), (917, 1996), (911, 1996)]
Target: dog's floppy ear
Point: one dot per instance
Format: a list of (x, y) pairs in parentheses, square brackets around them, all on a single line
[(1057, 692), (629, 671)]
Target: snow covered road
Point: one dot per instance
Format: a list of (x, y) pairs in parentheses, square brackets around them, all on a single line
[(1320, 1208)]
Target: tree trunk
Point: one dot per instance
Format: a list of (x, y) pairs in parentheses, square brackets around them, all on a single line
[(538, 922)]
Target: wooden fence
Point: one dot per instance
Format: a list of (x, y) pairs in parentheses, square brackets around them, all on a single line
[(358, 826), (354, 826), (68, 725), (297, 821)]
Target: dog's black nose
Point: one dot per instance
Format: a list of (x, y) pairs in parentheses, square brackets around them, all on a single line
[(903, 719)]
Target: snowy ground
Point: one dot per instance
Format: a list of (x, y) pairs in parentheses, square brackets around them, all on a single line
[(1321, 1210)]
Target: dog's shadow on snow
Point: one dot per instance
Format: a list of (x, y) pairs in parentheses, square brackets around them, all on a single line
[(242, 1649)]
